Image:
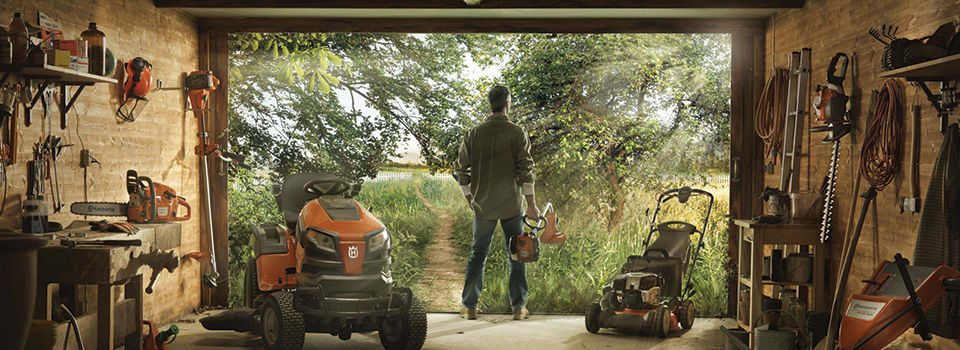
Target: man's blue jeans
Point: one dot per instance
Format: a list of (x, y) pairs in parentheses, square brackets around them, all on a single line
[(482, 235)]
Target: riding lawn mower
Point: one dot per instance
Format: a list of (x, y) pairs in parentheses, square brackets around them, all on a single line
[(327, 271), (650, 295)]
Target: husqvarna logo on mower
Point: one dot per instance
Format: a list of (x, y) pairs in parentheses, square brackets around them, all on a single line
[(353, 252)]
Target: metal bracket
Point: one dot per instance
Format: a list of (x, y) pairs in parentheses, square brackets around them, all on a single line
[(64, 105), (938, 101)]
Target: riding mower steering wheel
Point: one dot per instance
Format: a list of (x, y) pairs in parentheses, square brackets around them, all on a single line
[(326, 187)]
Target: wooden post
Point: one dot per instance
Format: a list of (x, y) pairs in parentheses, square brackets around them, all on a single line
[(214, 58), (746, 176), (105, 298)]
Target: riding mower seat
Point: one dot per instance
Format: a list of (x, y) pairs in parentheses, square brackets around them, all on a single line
[(291, 197)]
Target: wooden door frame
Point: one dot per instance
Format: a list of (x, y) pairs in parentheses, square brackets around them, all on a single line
[(747, 36)]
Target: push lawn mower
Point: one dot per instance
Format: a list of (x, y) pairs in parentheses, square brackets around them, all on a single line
[(649, 295), (327, 271)]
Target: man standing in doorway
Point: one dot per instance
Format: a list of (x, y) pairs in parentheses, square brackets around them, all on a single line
[(495, 172)]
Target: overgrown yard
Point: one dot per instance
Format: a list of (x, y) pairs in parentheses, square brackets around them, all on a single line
[(568, 275)]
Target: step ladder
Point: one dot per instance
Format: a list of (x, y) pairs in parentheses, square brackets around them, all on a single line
[(799, 70)]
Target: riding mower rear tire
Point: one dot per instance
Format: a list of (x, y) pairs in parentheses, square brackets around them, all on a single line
[(412, 332), (686, 312), (282, 325), (251, 284), (591, 317), (661, 321)]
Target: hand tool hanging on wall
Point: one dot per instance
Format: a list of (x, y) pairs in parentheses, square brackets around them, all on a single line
[(34, 216), (830, 104), (199, 84), (912, 204), (799, 69), (54, 146), (149, 202), (880, 156)]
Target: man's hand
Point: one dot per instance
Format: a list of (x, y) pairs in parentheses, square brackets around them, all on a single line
[(469, 199), (532, 212)]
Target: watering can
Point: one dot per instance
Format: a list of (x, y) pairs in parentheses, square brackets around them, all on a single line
[(769, 338)]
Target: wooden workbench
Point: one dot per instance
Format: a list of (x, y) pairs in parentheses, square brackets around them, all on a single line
[(67, 274), (753, 238)]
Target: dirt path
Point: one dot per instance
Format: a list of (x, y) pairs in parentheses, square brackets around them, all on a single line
[(442, 283)]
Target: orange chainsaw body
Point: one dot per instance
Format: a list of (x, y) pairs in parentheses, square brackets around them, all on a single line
[(167, 201)]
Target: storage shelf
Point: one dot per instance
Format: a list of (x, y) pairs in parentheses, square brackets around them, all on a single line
[(746, 282), (60, 74), (938, 69)]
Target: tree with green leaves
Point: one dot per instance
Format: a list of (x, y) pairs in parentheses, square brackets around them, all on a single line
[(341, 102), (599, 108)]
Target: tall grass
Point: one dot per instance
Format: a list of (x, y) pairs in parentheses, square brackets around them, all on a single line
[(411, 225), (570, 275)]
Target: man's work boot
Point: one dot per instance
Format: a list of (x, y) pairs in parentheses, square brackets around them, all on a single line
[(468, 313), (520, 314)]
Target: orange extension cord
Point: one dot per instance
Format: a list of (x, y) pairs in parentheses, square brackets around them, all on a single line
[(769, 118), (882, 150)]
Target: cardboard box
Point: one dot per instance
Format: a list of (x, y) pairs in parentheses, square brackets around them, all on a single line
[(59, 58), (80, 64), (77, 48)]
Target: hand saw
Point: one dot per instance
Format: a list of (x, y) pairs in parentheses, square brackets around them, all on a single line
[(149, 202)]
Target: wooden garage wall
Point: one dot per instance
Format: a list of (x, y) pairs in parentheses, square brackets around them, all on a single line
[(828, 27), (159, 144)]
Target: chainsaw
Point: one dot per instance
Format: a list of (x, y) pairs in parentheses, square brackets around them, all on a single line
[(149, 202)]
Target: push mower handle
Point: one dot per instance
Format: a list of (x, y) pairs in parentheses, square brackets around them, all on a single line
[(682, 194)]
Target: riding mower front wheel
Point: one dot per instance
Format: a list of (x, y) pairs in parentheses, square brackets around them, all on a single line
[(686, 313), (407, 331), (592, 318), (282, 325)]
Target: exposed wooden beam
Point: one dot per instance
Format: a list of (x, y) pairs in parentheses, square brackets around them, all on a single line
[(447, 4), (485, 25)]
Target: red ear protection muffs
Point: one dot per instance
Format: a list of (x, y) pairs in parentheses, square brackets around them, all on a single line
[(139, 79)]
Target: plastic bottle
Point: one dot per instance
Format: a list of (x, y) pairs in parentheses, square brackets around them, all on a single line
[(6, 47), (95, 49), (19, 39)]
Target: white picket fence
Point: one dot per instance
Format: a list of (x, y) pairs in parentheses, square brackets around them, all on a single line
[(395, 176)]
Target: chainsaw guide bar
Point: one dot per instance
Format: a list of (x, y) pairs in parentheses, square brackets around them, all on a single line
[(99, 208)]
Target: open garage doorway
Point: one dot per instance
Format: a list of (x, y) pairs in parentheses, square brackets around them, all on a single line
[(613, 119)]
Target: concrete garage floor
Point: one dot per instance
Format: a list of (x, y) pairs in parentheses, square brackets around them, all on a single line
[(449, 331)]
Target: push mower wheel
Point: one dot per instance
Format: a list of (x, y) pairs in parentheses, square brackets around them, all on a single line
[(592, 318), (251, 289), (661, 321), (686, 313), (406, 332), (282, 325)]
